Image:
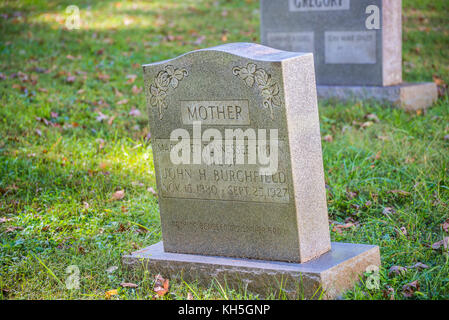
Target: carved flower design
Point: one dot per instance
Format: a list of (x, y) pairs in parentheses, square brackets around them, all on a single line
[(165, 79), (268, 89)]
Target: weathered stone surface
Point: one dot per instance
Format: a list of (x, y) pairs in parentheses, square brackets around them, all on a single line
[(408, 96), (330, 274), (346, 51), (230, 210)]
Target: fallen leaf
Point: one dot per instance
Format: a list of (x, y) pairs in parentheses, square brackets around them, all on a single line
[(150, 189), (388, 210), (367, 124), (118, 195), (3, 219), (328, 138), (388, 293), (340, 227), (135, 112), (445, 225), (189, 296), (124, 101), (101, 117), (131, 78), (199, 40), (420, 266), (38, 132), (437, 245), (403, 230), (85, 205), (400, 192), (12, 229), (397, 270), (409, 289), (372, 117), (136, 90), (103, 77), (111, 269), (161, 285), (111, 119), (110, 293), (128, 285)]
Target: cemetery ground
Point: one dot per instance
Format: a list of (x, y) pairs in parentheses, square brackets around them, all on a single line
[(77, 183)]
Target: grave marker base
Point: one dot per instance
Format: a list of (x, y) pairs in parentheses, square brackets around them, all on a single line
[(335, 271), (408, 96)]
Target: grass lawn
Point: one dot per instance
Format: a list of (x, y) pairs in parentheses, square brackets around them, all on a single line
[(74, 131)]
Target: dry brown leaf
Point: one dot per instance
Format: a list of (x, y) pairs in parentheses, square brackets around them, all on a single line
[(161, 285), (388, 293), (150, 189), (420, 266), (409, 289), (397, 271), (111, 293), (136, 90), (445, 225), (442, 243), (340, 227), (128, 285), (118, 195), (328, 138), (400, 192), (135, 112)]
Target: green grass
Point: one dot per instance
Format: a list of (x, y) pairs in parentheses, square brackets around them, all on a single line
[(58, 174)]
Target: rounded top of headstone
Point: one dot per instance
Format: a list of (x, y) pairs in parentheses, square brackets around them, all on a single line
[(248, 50)]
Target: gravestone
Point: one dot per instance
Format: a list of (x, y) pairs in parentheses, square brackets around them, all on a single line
[(238, 164), (357, 45)]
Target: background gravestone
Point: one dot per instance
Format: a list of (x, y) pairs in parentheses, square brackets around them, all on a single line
[(357, 45), (217, 226)]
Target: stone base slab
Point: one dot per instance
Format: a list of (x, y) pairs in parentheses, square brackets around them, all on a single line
[(409, 96), (329, 275)]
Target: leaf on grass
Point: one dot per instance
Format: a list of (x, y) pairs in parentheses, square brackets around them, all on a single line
[(445, 225), (372, 117), (111, 269), (442, 243), (409, 289), (131, 78), (118, 195), (124, 101), (150, 189), (101, 117), (340, 227), (328, 138), (189, 296), (400, 192), (397, 271), (420, 266), (135, 112), (111, 293), (4, 219), (161, 285), (128, 285), (388, 210), (136, 90), (12, 229), (388, 293)]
